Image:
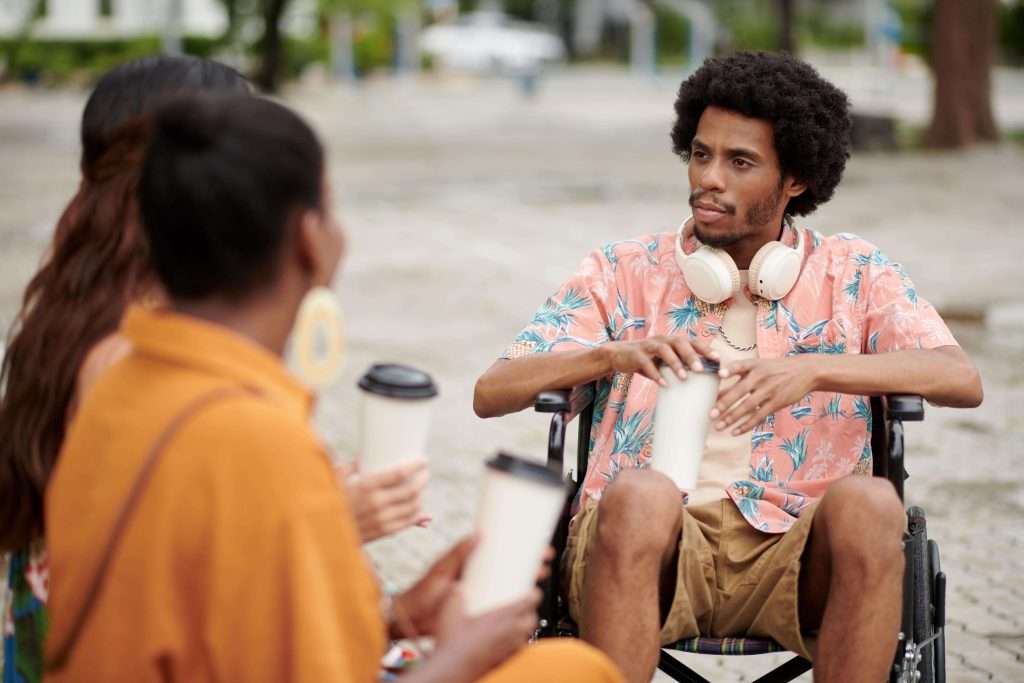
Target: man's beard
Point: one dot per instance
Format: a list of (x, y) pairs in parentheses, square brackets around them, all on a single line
[(756, 217)]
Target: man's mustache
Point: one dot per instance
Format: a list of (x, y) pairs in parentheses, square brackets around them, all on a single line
[(697, 195)]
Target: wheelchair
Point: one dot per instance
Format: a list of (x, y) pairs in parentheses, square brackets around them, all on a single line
[(921, 651)]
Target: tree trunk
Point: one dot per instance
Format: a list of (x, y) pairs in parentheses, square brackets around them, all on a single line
[(963, 43), (787, 36), (272, 46)]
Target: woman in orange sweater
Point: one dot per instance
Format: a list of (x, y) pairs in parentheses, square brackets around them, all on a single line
[(195, 528), (66, 336)]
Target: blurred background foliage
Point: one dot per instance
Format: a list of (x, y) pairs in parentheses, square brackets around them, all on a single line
[(747, 24)]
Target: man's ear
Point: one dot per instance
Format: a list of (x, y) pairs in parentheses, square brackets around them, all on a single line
[(792, 187)]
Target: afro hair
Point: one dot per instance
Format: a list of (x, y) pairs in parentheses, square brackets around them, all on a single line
[(809, 115)]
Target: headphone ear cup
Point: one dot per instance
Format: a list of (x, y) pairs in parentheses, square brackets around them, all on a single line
[(774, 270), (710, 273)]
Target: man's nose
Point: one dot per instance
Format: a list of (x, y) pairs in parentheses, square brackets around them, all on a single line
[(712, 179)]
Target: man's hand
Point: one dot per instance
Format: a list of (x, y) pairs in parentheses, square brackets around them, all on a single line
[(765, 386), (641, 356), (388, 501), (419, 608)]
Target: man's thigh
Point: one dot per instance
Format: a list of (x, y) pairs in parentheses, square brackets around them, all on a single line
[(686, 578)]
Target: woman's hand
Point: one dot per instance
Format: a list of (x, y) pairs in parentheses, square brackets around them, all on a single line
[(467, 648), (388, 501), (417, 611), (478, 644)]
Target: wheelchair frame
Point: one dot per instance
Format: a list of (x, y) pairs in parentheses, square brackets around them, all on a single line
[(920, 652)]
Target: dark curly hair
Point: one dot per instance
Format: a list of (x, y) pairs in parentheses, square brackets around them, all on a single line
[(810, 116)]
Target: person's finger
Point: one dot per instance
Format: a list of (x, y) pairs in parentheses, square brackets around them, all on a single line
[(669, 356), (728, 398), (753, 400), (343, 470), (703, 348), (424, 520), (382, 500), (648, 369), (396, 518), (756, 418), (395, 476), (684, 348), (452, 562), (740, 367)]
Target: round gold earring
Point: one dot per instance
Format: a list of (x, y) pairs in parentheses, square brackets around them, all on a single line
[(318, 339)]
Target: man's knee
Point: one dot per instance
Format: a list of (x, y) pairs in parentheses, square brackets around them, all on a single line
[(640, 510), (865, 520)]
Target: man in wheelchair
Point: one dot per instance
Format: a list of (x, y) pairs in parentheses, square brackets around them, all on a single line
[(778, 539)]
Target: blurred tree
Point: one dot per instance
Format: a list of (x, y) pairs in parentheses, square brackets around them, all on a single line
[(963, 45), (271, 46), (233, 10), (787, 26)]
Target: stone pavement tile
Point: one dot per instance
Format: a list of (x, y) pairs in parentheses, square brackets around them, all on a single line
[(974, 652)]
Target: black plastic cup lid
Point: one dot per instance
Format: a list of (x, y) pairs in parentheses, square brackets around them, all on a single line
[(397, 381), (707, 366), (528, 469)]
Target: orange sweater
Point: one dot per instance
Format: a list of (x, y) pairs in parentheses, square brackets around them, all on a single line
[(242, 561)]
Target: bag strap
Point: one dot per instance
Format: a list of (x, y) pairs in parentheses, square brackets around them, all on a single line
[(142, 479)]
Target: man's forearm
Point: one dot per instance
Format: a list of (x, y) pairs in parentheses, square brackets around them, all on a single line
[(509, 386), (944, 376)]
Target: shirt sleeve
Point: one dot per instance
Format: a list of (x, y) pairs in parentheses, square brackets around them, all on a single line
[(896, 318), (575, 317)]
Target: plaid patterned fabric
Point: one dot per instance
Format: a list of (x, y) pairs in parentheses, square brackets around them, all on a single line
[(704, 646), (727, 646)]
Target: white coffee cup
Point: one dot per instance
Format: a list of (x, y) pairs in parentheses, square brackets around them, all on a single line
[(681, 423), (519, 507), (395, 416)]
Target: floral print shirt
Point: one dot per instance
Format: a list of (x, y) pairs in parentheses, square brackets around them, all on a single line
[(23, 617), (849, 298)]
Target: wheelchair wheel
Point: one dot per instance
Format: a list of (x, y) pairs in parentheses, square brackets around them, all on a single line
[(938, 586), (922, 595), (917, 622)]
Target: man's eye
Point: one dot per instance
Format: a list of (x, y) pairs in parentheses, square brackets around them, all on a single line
[(700, 154), (741, 163)]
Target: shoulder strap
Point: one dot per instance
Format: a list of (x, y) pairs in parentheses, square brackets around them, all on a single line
[(142, 479)]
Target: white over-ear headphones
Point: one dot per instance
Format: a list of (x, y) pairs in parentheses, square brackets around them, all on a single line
[(713, 277)]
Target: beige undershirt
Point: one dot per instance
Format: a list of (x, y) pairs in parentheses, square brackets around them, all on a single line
[(727, 457)]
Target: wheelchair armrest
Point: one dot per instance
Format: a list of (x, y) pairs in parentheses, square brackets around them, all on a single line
[(553, 401), (905, 407), (570, 401), (565, 405)]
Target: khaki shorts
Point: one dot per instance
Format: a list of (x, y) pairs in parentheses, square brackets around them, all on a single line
[(732, 580)]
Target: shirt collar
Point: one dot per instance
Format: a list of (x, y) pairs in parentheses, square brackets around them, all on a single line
[(203, 345)]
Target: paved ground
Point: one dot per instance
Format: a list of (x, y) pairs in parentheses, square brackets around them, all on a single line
[(467, 204)]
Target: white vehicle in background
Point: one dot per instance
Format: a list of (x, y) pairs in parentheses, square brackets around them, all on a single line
[(491, 42)]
